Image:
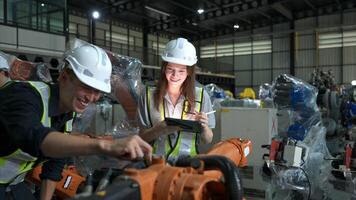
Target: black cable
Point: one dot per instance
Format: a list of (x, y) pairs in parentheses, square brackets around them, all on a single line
[(306, 176), (233, 181), (309, 184)]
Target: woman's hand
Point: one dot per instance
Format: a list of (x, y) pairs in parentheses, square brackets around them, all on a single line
[(157, 130), (207, 133), (202, 118), (164, 129)]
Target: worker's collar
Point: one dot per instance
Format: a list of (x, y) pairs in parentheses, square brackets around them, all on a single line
[(168, 98), (53, 108)]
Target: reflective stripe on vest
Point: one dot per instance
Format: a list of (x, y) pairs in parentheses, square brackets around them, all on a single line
[(185, 143), (8, 82), (161, 146), (18, 163), (69, 125)]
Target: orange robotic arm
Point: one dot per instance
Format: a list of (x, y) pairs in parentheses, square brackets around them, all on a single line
[(211, 176), (208, 176)]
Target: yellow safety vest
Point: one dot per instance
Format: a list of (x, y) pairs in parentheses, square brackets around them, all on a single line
[(185, 143), (13, 167)]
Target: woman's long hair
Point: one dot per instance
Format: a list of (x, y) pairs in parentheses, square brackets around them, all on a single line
[(187, 88)]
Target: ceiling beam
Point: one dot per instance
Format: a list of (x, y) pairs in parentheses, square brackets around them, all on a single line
[(122, 6), (142, 15), (211, 2), (309, 4), (181, 6), (120, 2), (283, 10), (235, 10), (188, 30), (244, 20), (205, 27), (108, 5), (224, 23), (264, 14)]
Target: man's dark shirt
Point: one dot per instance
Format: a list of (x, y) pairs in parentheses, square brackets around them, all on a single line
[(21, 110)]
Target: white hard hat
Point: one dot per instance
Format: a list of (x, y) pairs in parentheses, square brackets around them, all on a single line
[(4, 64), (180, 51), (91, 65)]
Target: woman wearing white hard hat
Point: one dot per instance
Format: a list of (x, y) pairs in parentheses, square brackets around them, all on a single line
[(176, 96)]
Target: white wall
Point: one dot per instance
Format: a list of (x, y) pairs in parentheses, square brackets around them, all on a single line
[(27, 41), (252, 70)]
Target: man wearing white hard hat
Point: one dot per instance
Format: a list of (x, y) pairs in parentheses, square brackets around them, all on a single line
[(4, 69), (176, 96), (36, 114)]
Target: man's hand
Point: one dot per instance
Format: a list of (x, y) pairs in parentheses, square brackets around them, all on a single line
[(131, 147), (47, 189)]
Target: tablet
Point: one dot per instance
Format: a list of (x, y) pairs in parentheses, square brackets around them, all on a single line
[(186, 125)]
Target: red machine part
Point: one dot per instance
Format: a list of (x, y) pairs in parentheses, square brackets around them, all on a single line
[(348, 155), (21, 70), (274, 149)]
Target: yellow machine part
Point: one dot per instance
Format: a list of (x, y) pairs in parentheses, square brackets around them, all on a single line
[(248, 93), (229, 93)]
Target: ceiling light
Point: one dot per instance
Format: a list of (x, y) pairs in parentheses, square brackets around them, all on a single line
[(194, 24), (200, 11), (353, 82), (236, 26), (42, 4), (96, 14)]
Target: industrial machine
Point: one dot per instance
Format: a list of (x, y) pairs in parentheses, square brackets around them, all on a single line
[(338, 108), (296, 151), (313, 157), (26, 71), (213, 175), (208, 176)]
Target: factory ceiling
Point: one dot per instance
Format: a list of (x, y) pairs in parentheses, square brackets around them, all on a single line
[(181, 17)]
